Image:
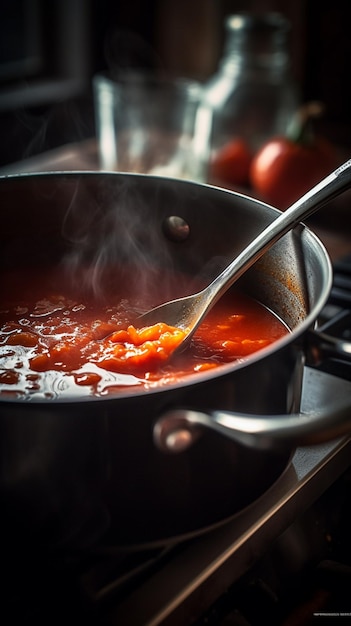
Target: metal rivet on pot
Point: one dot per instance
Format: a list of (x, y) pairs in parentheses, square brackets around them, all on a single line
[(179, 440), (173, 434), (176, 228)]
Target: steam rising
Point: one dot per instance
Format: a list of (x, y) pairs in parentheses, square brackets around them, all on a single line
[(112, 226)]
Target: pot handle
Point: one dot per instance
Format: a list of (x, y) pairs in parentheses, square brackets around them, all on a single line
[(177, 430)]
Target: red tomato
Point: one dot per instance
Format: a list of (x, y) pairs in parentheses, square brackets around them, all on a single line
[(287, 167), (231, 164), (283, 170)]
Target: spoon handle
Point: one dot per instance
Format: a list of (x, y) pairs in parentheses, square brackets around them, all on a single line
[(330, 187)]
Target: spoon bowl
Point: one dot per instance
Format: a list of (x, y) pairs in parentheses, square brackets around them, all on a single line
[(188, 312)]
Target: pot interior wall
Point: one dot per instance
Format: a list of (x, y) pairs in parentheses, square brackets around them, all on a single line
[(95, 220)]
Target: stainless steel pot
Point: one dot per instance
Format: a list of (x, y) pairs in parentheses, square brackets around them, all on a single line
[(75, 471)]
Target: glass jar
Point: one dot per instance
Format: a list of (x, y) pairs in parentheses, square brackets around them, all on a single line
[(252, 95)]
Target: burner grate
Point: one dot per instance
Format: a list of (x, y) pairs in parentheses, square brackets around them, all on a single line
[(340, 295), (335, 320)]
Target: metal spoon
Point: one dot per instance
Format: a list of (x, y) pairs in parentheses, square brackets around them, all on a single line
[(188, 312)]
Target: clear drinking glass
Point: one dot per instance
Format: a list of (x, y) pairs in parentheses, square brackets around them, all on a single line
[(151, 125)]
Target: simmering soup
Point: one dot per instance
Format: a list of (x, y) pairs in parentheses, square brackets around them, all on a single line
[(59, 341)]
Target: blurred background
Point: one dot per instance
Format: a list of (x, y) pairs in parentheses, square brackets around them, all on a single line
[(49, 52)]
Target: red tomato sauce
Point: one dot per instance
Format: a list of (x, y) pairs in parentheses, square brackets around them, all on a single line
[(57, 342)]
